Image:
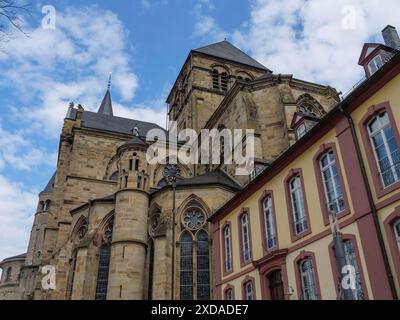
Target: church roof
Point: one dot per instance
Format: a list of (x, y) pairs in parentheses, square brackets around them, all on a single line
[(134, 141), (214, 177), (93, 120), (106, 105), (228, 51), (50, 185), (14, 258)]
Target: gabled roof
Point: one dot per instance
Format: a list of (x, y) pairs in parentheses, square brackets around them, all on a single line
[(299, 117), (228, 51), (370, 48)]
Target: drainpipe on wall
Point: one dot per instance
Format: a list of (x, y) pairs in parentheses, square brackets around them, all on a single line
[(374, 210)]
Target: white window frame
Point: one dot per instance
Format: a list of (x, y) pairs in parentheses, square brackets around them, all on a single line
[(244, 219), (269, 223), (228, 249), (381, 131), (329, 168), (301, 133), (249, 290), (396, 228), (375, 63), (296, 195), (229, 294), (309, 276)]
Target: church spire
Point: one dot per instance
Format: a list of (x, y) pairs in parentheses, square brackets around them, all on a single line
[(106, 105)]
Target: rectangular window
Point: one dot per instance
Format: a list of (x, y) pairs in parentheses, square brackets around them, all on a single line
[(298, 207), (269, 221), (249, 291), (130, 164), (229, 294), (246, 238), (136, 164), (397, 231), (385, 148), (351, 260), (332, 186), (375, 64), (308, 283), (301, 131), (228, 249)]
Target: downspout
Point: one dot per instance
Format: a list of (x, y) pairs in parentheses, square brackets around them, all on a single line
[(374, 210)]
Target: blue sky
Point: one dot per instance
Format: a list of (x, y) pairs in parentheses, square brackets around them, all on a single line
[(144, 43)]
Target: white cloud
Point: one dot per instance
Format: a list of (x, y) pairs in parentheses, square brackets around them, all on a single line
[(206, 27), (52, 67), (16, 151), (16, 217), (308, 38)]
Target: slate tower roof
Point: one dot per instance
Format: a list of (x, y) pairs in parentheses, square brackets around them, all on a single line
[(228, 51), (106, 104)]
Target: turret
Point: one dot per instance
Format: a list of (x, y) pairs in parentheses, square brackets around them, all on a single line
[(129, 243)]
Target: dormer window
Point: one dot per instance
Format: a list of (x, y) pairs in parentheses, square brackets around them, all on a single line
[(375, 64), (301, 131), (302, 123)]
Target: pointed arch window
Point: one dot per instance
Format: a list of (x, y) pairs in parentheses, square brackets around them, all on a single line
[(194, 255), (186, 274), (203, 266), (104, 264), (72, 273)]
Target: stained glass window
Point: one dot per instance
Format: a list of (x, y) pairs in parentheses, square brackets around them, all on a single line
[(104, 264), (194, 219), (72, 275), (186, 274), (203, 267)]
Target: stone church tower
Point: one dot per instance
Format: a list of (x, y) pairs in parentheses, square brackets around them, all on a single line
[(105, 219)]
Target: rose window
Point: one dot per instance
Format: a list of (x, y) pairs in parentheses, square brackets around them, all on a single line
[(194, 219)]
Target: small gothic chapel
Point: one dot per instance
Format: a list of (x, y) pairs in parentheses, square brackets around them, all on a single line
[(105, 218)]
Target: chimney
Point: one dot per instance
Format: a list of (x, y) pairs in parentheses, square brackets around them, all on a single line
[(391, 37)]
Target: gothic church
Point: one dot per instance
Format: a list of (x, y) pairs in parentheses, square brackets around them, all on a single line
[(105, 219)]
